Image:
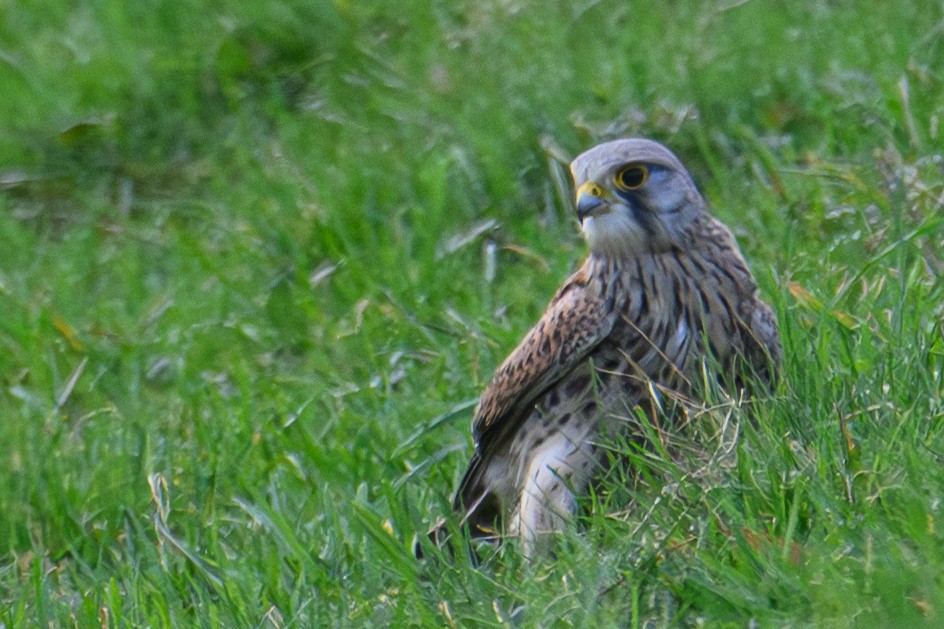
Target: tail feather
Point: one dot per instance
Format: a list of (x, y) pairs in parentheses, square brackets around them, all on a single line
[(476, 506), (479, 507)]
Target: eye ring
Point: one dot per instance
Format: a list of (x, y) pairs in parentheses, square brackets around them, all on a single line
[(633, 177)]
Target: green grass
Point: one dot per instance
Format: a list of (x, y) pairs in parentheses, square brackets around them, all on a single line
[(239, 338)]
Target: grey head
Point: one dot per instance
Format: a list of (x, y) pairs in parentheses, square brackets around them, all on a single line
[(633, 197)]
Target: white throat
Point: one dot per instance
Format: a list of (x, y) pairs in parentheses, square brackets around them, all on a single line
[(615, 234)]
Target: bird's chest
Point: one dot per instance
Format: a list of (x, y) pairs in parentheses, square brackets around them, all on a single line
[(667, 327)]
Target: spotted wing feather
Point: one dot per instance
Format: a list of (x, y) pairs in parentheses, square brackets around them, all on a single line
[(576, 320), (579, 316)]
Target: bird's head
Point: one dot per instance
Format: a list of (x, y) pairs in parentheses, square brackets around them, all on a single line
[(633, 197)]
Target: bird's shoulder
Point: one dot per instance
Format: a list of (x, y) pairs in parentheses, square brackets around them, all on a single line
[(762, 342), (577, 318)]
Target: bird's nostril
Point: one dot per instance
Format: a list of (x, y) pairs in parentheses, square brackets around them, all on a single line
[(587, 203)]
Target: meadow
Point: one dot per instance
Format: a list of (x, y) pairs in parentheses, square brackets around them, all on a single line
[(259, 260)]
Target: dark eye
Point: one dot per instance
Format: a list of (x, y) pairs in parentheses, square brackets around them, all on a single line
[(632, 177)]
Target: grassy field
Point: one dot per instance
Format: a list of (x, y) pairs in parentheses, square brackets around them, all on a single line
[(259, 260)]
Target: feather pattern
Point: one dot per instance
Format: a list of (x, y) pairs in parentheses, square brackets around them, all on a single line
[(654, 299)]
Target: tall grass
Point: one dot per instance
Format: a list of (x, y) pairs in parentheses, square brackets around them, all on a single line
[(260, 259)]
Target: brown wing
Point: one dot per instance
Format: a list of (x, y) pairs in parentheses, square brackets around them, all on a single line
[(579, 316), (760, 341), (763, 341)]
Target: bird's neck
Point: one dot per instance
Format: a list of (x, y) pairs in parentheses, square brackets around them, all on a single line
[(624, 264), (615, 266)]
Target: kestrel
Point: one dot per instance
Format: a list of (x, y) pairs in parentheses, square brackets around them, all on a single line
[(663, 290)]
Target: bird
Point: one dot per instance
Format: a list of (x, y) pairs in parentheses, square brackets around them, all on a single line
[(663, 292)]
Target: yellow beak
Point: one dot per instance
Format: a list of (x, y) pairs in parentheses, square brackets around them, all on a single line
[(589, 198)]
